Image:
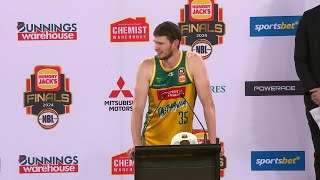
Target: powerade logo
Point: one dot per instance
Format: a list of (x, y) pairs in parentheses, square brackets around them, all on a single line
[(273, 88), (277, 160), (274, 25)]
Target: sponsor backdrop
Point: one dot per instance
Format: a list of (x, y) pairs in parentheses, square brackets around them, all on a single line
[(68, 70)]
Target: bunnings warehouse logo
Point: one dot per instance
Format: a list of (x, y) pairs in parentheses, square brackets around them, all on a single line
[(277, 160)]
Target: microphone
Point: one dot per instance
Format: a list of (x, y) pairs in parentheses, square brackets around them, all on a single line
[(205, 141), (143, 137)]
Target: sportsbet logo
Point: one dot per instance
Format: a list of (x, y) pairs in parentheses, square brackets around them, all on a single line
[(283, 25), (274, 25), (277, 160), (284, 160)]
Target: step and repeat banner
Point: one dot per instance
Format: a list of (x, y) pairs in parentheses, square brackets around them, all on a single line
[(68, 71)]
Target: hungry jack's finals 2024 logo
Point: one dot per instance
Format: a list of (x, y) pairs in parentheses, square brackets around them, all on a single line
[(202, 26), (47, 95)]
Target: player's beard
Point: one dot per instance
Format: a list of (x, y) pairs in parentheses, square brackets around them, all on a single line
[(166, 57)]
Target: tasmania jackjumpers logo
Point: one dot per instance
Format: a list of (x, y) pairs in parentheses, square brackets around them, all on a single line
[(47, 95), (120, 105), (52, 164), (122, 165), (223, 160), (50, 31), (130, 30), (202, 26)]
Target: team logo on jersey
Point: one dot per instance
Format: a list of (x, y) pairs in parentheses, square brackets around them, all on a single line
[(202, 26), (47, 95), (182, 75)]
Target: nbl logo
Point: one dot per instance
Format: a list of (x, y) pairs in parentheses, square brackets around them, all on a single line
[(47, 95), (202, 26)]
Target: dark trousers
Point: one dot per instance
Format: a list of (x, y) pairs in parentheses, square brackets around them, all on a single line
[(315, 134)]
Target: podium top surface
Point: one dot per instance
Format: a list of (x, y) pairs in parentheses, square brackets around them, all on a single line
[(204, 149)]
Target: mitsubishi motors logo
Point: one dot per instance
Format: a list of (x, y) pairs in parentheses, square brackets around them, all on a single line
[(115, 93), (120, 105)]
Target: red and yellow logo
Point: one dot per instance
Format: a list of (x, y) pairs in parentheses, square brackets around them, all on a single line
[(47, 95), (201, 10), (202, 26), (47, 79)]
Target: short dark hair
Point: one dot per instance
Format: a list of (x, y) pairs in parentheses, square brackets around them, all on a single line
[(169, 29)]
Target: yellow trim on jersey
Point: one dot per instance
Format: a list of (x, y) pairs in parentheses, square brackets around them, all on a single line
[(180, 59), (154, 71), (187, 67)]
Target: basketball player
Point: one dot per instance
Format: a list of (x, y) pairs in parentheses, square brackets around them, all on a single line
[(166, 79)]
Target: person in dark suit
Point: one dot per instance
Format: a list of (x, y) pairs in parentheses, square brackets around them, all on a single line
[(307, 62)]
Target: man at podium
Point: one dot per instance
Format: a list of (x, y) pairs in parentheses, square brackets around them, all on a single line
[(171, 80)]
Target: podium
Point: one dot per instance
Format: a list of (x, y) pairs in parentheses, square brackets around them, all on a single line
[(177, 162)]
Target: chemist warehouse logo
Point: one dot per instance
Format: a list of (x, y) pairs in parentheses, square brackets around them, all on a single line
[(274, 25), (277, 160), (33, 32), (202, 26), (223, 160), (122, 165), (52, 164), (273, 88), (120, 105), (47, 95), (130, 30)]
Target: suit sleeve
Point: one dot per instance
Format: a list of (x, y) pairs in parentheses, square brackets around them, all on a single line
[(302, 55)]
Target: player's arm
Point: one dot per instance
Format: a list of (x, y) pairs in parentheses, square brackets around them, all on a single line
[(199, 73), (141, 88)]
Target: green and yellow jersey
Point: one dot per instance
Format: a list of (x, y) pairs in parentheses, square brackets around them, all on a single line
[(173, 114)]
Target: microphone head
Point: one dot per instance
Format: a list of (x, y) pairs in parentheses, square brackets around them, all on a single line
[(184, 138), (182, 95), (164, 95)]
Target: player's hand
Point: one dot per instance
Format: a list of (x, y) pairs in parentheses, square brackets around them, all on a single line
[(130, 153)]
